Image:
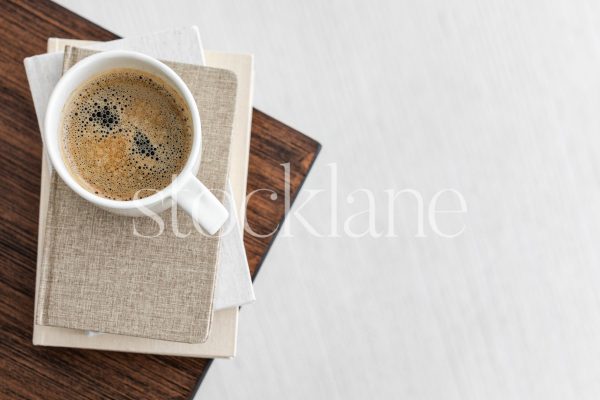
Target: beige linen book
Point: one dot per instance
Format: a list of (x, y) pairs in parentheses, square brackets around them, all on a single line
[(96, 274), (222, 340)]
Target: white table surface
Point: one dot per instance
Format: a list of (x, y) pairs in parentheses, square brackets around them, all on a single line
[(499, 100)]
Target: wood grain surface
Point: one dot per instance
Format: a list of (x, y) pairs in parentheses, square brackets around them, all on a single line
[(28, 372)]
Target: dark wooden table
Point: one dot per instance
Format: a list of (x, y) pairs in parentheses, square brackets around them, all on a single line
[(28, 372)]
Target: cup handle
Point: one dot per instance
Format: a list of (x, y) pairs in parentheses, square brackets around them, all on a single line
[(201, 204)]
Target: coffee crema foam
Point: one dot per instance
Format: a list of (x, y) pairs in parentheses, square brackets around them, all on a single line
[(125, 134)]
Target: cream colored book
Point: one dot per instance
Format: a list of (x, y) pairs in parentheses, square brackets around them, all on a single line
[(223, 335)]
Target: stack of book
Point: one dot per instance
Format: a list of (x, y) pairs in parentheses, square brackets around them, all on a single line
[(199, 319)]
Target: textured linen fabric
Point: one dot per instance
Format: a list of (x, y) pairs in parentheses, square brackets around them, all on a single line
[(98, 275)]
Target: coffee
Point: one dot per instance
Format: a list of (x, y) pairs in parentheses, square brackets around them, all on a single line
[(125, 133)]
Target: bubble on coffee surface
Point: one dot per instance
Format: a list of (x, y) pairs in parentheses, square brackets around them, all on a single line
[(125, 134)]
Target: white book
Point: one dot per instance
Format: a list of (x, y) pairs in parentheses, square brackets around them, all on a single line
[(182, 45)]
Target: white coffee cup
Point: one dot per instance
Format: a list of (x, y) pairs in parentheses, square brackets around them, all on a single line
[(186, 190)]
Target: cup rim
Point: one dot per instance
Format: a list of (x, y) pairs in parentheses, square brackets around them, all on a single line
[(54, 110)]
